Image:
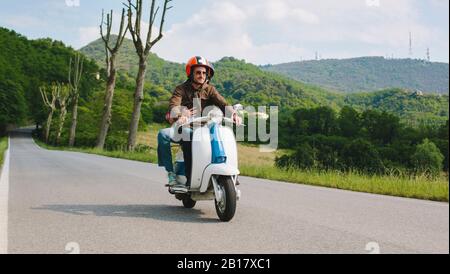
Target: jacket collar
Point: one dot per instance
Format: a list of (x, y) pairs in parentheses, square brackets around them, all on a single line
[(192, 89)]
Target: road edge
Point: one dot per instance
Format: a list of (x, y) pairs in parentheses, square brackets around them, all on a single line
[(4, 191)]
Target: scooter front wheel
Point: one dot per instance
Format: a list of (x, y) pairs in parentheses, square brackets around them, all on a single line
[(226, 208)]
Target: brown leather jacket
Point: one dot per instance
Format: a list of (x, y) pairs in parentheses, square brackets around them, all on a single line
[(185, 93)]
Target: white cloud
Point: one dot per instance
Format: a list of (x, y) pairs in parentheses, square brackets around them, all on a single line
[(87, 35), (283, 11), (25, 21), (267, 31), (276, 10), (443, 4), (305, 16), (263, 31), (223, 13)]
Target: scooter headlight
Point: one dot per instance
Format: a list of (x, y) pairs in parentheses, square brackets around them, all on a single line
[(216, 115)]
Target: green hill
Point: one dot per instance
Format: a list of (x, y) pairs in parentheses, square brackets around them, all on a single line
[(249, 84), (160, 71), (368, 74), (237, 80)]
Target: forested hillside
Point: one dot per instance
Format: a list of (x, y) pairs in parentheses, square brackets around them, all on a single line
[(368, 74), (26, 65), (248, 84)]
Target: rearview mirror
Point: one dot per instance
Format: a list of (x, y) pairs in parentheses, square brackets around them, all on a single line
[(238, 107)]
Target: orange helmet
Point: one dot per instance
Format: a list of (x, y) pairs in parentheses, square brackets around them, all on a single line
[(199, 61)]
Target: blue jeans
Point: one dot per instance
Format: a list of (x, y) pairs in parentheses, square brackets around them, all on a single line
[(165, 138)]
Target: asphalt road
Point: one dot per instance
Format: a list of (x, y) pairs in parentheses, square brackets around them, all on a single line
[(60, 200)]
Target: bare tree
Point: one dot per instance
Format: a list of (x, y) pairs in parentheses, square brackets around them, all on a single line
[(74, 83), (111, 54), (142, 50), (63, 95), (51, 104)]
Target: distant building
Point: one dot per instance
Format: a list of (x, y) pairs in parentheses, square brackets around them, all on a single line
[(418, 93)]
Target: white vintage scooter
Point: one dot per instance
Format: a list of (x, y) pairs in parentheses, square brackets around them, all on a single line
[(215, 170)]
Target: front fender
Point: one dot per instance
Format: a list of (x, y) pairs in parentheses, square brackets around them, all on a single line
[(216, 169)]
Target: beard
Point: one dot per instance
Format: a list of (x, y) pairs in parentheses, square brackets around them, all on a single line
[(200, 83)]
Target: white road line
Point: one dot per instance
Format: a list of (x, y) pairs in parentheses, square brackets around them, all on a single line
[(4, 189)]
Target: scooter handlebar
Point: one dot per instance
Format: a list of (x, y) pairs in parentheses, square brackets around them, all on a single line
[(204, 119), (226, 119), (195, 120)]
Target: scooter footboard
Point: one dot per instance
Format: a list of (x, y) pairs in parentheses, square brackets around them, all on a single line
[(215, 169)]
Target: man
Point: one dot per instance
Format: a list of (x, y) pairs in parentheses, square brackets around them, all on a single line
[(181, 107)]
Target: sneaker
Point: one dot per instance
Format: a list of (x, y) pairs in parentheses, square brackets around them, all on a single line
[(172, 179)]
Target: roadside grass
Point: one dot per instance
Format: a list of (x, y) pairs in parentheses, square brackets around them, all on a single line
[(257, 164), (419, 187), (135, 156), (3, 147)]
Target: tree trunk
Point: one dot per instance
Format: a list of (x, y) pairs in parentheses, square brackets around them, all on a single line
[(138, 99), (48, 125), (62, 118), (106, 119), (73, 128)]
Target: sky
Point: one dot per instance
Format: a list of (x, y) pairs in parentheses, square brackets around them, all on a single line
[(259, 31)]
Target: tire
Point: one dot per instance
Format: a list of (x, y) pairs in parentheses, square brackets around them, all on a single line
[(226, 211), (188, 202)]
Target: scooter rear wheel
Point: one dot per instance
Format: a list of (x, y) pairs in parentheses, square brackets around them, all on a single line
[(227, 207), (188, 202)]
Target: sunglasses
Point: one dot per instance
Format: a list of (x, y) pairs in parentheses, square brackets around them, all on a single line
[(200, 73)]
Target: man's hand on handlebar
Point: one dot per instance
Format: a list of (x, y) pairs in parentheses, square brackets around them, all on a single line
[(237, 119), (185, 115), (182, 120)]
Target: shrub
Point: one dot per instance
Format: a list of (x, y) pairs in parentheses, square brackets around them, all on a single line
[(427, 159)]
